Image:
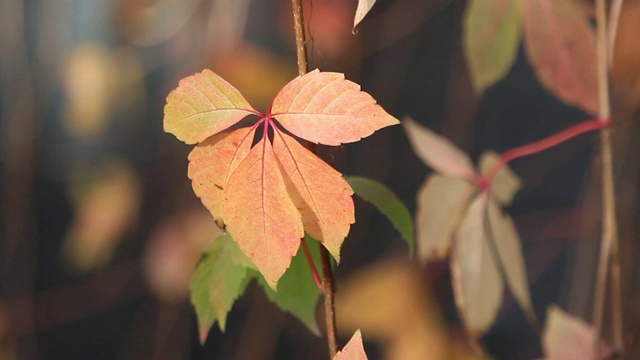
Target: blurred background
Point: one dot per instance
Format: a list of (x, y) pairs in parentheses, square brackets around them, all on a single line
[(100, 230)]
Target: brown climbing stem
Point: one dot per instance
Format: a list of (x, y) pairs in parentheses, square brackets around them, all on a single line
[(328, 287)]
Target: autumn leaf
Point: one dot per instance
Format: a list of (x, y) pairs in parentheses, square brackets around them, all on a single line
[(387, 203), (212, 162), (269, 191), (354, 350), (561, 47), (323, 107), (319, 192), (492, 32), (364, 6), (220, 278), (260, 213), (203, 105)]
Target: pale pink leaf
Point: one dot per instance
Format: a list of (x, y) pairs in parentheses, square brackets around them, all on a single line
[(561, 46), (364, 6), (321, 194), (354, 350), (438, 152), (567, 337), (202, 105), (260, 215), (323, 107), (212, 162), (476, 278), (442, 202)]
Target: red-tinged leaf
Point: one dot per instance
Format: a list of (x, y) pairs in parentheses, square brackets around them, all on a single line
[(260, 215), (213, 161), (492, 32), (203, 105), (320, 193), (438, 152), (354, 350), (364, 6), (442, 202), (567, 337), (476, 280), (561, 47), (323, 107)]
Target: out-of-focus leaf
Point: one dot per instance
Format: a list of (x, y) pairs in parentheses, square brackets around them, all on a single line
[(203, 105), (219, 279), (107, 204), (174, 249), (387, 203), (364, 6), (354, 350), (297, 291), (397, 311), (325, 108), (438, 152), (507, 243), (561, 46), (505, 183), (567, 337), (442, 202), (320, 193), (260, 214), (492, 33), (476, 279)]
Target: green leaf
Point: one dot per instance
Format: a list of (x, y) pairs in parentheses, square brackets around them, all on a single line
[(387, 203), (297, 291), (492, 33), (220, 278)]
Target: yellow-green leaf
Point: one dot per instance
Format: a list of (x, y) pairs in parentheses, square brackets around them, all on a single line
[(203, 105), (492, 33)]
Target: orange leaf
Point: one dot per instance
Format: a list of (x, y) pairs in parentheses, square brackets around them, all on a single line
[(323, 107), (203, 105), (212, 162), (320, 193), (561, 46), (354, 350), (260, 214)]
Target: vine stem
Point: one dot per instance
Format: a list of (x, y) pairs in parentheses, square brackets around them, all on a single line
[(608, 260), (544, 144), (328, 287)]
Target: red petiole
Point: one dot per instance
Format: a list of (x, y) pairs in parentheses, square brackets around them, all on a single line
[(541, 145)]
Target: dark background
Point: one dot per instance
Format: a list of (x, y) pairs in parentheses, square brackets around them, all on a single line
[(82, 89)]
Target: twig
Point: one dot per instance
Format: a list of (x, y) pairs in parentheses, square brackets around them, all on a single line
[(614, 19), (328, 287), (609, 236), (301, 49)]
